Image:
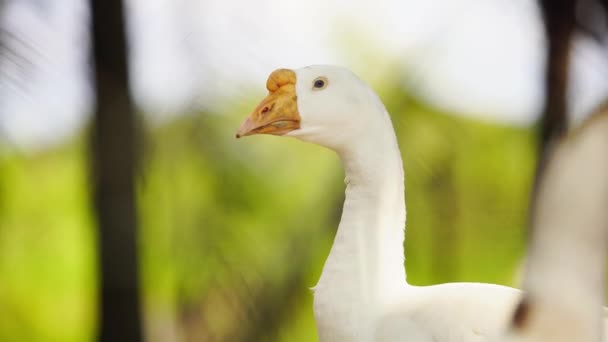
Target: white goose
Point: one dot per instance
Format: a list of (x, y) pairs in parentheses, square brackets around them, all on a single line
[(565, 277), (362, 294)]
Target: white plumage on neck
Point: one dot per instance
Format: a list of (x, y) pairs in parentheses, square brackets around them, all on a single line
[(365, 266)]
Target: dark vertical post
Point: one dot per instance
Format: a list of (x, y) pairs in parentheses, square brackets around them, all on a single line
[(114, 157), (559, 21)]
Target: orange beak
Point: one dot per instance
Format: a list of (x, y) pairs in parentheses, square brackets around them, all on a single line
[(278, 113)]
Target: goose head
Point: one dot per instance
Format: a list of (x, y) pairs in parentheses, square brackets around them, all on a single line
[(326, 105)]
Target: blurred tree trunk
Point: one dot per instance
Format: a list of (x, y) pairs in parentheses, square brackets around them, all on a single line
[(114, 159), (559, 22)]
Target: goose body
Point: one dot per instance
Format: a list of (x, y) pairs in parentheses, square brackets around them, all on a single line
[(362, 294)]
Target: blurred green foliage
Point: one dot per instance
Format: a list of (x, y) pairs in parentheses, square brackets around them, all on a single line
[(234, 232), (47, 273)]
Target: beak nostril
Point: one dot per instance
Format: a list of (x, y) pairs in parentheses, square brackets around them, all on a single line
[(267, 108)]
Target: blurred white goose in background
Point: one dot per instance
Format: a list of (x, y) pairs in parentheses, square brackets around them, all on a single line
[(564, 282), (362, 294)]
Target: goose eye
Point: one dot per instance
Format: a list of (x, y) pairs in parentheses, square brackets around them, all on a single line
[(319, 83)]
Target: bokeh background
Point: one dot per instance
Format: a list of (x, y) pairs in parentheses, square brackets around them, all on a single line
[(234, 233)]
